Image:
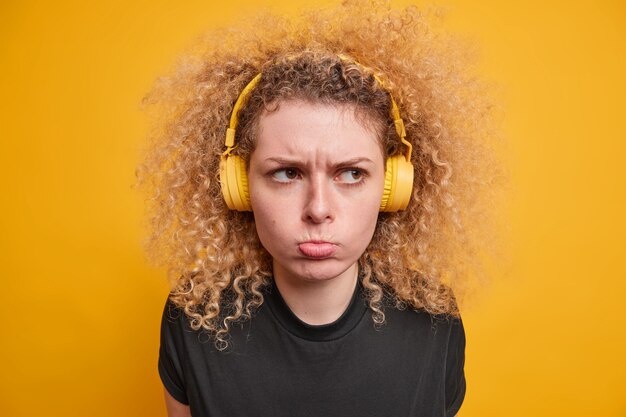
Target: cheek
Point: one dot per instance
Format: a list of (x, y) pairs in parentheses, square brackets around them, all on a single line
[(367, 219), (269, 222), (367, 224), (263, 219)]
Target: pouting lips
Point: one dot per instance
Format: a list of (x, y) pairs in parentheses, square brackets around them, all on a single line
[(317, 250)]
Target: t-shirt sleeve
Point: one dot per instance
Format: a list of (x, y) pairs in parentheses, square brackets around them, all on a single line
[(171, 352), (455, 373)]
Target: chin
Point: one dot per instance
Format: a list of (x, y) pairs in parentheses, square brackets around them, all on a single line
[(321, 270)]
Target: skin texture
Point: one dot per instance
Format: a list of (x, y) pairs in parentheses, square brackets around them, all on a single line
[(316, 180)]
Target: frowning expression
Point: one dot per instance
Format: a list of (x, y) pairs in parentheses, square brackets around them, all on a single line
[(316, 180)]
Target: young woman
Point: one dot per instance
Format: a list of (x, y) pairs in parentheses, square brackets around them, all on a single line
[(314, 198)]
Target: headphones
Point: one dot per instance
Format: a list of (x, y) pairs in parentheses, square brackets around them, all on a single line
[(234, 178)]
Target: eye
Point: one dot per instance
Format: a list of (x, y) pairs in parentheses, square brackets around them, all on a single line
[(285, 174), (350, 176)]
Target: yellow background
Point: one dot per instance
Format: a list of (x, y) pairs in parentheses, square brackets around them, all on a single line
[(80, 310)]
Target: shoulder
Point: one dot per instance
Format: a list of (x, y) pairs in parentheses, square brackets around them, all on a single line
[(173, 315), (435, 333), (173, 312), (420, 317), (176, 324)]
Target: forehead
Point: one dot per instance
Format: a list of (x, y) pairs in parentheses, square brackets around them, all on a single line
[(307, 128)]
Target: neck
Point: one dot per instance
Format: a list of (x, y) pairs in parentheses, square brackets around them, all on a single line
[(317, 302)]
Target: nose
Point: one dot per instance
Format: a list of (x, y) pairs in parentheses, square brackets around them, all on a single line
[(318, 207)]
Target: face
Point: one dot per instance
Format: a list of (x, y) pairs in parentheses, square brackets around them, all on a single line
[(316, 179)]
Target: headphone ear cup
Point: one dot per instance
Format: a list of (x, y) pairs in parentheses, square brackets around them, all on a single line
[(234, 183), (398, 184)]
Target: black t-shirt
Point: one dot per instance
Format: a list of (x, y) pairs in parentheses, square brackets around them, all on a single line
[(277, 365)]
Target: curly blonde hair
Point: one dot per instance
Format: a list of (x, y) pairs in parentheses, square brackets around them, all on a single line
[(421, 257)]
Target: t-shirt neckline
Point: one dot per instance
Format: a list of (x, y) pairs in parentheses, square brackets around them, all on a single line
[(325, 332)]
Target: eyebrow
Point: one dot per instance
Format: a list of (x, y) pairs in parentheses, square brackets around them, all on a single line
[(348, 162)]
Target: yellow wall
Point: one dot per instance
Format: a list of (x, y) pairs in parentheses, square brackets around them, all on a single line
[(80, 310)]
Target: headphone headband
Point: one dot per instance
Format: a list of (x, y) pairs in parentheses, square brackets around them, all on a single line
[(234, 116)]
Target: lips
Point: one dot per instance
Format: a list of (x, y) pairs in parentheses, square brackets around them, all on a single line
[(317, 250)]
